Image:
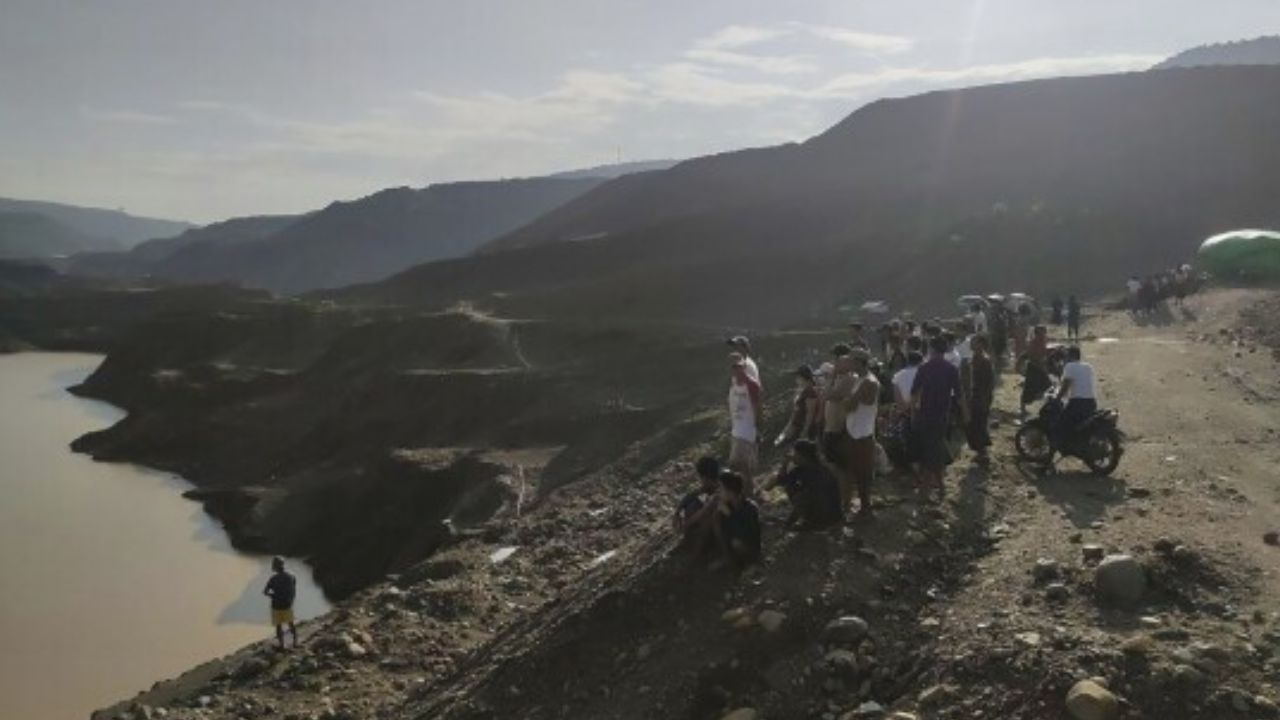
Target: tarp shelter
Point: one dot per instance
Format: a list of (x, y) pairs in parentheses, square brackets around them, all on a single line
[(1243, 255)]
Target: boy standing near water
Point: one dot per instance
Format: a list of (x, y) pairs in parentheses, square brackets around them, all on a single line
[(281, 588)]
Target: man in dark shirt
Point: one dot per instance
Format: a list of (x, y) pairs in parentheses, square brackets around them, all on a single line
[(281, 588), (738, 526), (982, 388), (1073, 318), (694, 515), (935, 391), (811, 488)]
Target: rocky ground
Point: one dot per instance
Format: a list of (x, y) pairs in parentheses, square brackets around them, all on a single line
[(1026, 595)]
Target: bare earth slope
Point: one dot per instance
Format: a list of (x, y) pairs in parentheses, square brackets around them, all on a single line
[(985, 607)]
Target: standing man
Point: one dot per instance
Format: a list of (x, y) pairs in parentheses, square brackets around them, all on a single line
[(742, 346), (860, 425), (856, 338), (1134, 286), (834, 397), (934, 392), (982, 389), (281, 588), (1073, 318), (744, 413)]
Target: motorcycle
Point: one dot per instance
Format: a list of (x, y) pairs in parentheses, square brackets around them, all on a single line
[(1097, 440)]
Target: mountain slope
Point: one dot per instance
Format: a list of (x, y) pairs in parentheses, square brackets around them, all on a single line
[(118, 227), (1116, 174), (1258, 51), (32, 235)]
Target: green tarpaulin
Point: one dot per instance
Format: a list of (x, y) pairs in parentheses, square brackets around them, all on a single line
[(1243, 254)]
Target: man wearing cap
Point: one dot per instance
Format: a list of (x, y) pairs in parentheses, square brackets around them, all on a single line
[(281, 588), (744, 413), (742, 346)]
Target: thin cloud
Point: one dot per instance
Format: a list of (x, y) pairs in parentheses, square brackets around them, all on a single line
[(737, 36), (870, 43), (125, 117)]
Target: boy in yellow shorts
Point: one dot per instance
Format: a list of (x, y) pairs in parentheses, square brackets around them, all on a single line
[(281, 588)]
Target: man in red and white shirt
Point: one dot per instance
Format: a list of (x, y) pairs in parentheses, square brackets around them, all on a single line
[(744, 414)]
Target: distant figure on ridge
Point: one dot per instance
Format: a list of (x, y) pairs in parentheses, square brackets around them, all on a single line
[(1073, 318), (281, 588), (1057, 310)]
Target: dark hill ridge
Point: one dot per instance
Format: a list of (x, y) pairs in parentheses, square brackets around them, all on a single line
[(112, 228), (1131, 170), (1258, 51)]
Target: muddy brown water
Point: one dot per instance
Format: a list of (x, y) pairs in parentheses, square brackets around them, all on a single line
[(109, 579)]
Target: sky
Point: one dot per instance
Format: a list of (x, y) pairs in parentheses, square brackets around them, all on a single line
[(204, 110)]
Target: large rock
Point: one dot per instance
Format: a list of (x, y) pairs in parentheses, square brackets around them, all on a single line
[(847, 630), (1090, 701), (1120, 579)]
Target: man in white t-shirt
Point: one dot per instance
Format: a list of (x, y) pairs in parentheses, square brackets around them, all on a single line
[(1078, 390), (1134, 286)]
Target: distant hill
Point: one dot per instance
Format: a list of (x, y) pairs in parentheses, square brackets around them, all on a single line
[(1258, 51), (352, 242), (1063, 185), (36, 236), (153, 256), (346, 242), (112, 228)]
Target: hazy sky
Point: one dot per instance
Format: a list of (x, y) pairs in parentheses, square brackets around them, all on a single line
[(205, 110)]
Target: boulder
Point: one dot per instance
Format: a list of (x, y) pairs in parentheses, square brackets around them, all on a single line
[(1120, 579), (1056, 592), (847, 630), (1088, 700), (742, 714), (1045, 570), (1093, 553), (771, 620)]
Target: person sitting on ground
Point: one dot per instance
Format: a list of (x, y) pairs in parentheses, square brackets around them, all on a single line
[(934, 392), (737, 529), (805, 409), (1078, 390), (696, 510), (282, 587), (981, 390), (812, 489)]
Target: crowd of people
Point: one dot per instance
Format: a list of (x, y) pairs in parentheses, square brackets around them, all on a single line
[(908, 404), (1146, 294)]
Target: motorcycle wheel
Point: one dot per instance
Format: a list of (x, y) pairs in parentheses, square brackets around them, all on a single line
[(1032, 443), (1103, 452)]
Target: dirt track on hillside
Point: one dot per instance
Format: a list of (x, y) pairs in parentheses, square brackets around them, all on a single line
[(959, 626)]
